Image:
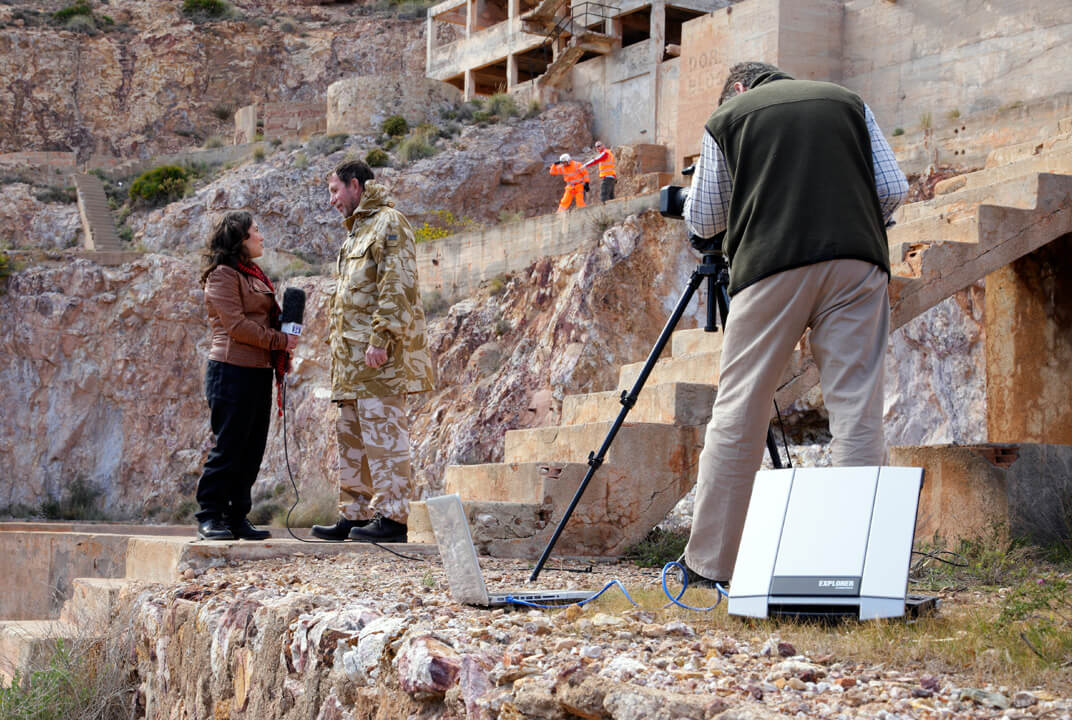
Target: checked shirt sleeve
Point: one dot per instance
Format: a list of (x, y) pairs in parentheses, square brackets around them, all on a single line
[(890, 182), (709, 198)]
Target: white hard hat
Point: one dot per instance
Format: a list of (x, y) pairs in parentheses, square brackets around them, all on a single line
[(564, 157)]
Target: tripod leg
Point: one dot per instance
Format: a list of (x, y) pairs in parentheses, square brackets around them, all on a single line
[(628, 400)]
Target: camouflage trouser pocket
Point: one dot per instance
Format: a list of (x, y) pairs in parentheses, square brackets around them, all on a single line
[(374, 466)]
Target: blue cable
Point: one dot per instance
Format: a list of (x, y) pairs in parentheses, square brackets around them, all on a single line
[(674, 599), (612, 583)]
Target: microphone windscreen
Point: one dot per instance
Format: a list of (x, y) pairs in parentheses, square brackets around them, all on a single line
[(293, 306)]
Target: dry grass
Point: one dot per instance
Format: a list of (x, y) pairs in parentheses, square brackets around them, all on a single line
[(82, 678)]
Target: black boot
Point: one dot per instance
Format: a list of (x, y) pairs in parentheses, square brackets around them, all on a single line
[(214, 529), (339, 531), (380, 529), (244, 530)]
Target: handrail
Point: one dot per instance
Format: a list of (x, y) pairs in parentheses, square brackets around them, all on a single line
[(592, 12)]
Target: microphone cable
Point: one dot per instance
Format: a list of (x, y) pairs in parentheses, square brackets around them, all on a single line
[(297, 495)]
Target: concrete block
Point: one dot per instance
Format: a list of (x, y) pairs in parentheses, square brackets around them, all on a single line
[(93, 601), (969, 490), (695, 340), (618, 508), (40, 567), (668, 403), (699, 368), (29, 644), (651, 446)]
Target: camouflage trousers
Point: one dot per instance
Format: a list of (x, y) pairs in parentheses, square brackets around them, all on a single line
[(374, 472)]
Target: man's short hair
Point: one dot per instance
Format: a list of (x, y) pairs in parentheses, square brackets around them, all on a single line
[(746, 74), (351, 169)]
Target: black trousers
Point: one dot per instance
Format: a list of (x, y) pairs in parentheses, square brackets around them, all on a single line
[(240, 400), (606, 188)]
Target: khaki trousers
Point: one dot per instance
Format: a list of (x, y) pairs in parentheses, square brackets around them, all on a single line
[(845, 303), (374, 471)]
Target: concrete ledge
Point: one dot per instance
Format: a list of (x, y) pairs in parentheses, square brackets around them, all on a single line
[(970, 489)]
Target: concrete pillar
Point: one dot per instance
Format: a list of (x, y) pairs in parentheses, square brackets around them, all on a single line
[(658, 44), (1029, 348), (470, 86), (513, 9), (470, 16), (511, 71), (429, 40)]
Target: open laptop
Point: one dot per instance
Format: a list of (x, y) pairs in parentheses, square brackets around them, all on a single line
[(463, 568)]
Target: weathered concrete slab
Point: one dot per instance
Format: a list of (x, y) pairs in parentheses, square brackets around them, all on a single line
[(968, 490), (513, 509), (669, 403), (96, 528), (695, 340), (93, 601), (164, 559), (701, 368), (39, 568), (30, 643), (655, 447)]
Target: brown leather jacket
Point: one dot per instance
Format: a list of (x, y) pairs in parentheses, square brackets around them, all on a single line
[(238, 316)]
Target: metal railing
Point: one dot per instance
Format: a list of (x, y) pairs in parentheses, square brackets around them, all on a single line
[(582, 14)]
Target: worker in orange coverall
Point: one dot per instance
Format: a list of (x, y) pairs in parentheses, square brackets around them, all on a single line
[(575, 177)]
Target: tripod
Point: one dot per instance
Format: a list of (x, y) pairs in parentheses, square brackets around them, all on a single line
[(717, 273)]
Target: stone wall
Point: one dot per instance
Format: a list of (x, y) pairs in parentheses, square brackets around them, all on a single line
[(923, 67), (295, 119)]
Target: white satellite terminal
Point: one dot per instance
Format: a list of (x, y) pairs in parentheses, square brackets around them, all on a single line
[(828, 542)]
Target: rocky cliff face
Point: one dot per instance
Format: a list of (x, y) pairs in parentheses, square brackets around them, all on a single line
[(477, 174), (103, 369), (154, 81)]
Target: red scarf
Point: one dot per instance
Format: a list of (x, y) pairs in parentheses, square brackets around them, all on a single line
[(280, 358)]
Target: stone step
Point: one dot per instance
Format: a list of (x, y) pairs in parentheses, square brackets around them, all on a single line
[(653, 446), (620, 505), (697, 368), (693, 341), (93, 601), (668, 403), (997, 185), (27, 645)]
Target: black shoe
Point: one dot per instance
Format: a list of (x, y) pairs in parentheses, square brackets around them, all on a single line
[(244, 530), (339, 531), (696, 580), (214, 529), (380, 529)]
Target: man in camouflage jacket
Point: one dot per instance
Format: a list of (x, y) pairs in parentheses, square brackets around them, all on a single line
[(379, 354)]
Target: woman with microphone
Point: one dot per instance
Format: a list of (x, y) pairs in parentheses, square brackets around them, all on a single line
[(247, 347)]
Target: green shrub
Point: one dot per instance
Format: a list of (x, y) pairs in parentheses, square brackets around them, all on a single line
[(213, 141), (377, 158), (80, 501), (658, 548), (6, 267), (415, 147), (81, 24), (898, 131), (503, 105), (327, 144), (534, 108), (160, 185), (79, 7), (66, 195), (395, 125), (434, 303), (223, 111), (258, 154), (200, 9), (482, 116), (301, 160)]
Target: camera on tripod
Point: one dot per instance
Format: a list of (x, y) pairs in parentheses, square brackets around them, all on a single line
[(672, 205)]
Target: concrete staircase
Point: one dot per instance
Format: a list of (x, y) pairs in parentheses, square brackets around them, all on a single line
[(976, 224), (97, 221), (68, 582), (547, 19)]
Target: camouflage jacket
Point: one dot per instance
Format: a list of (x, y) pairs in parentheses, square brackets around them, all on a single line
[(376, 302)]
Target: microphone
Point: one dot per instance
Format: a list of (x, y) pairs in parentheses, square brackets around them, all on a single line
[(293, 311)]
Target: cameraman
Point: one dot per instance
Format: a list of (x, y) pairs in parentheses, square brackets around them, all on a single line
[(800, 179)]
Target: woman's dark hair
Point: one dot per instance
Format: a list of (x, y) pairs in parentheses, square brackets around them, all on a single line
[(226, 244)]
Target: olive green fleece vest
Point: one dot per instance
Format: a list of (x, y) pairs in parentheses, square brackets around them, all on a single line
[(800, 158)]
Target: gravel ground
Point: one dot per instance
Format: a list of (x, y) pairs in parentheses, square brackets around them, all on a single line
[(709, 662)]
